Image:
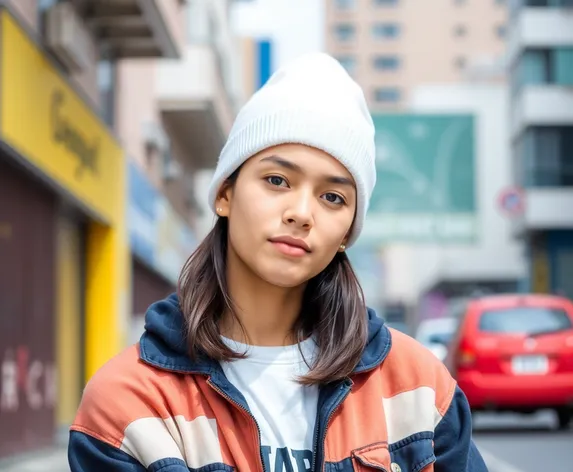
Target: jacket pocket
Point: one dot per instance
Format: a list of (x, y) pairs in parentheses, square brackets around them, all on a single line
[(372, 457), (413, 454)]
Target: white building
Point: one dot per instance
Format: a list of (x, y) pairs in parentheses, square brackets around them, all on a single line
[(200, 94), (276, 20), (541, 59), (495, 261)]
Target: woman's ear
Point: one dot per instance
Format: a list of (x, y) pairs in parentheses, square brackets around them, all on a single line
[(223, 201)]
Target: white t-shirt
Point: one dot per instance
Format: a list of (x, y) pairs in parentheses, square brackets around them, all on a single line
[(284, 409)]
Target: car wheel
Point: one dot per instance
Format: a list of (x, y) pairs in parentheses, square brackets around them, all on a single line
[(564, 418)]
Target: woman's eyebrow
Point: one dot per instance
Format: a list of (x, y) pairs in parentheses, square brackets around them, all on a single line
[(283, 163), (334, 179)]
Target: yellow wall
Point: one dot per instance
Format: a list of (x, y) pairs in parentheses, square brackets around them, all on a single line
[(49, 124), (540, 281), (70, 143), (68, 316), (106, 332)]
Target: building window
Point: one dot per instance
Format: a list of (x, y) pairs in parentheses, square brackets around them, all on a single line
[(514, 7), (345, 32), (562, 65), (345, 4), (384, 3), (538, 3), (43, 7), (460, 62), (106, 78), (385, 30), (460, 31), (501, 31), (516, 4), (533, 67), (349, 63), (544, 157), (544, 66), (386, 63), (388, 95)]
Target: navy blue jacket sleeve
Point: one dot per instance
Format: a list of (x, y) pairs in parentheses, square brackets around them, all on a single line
[(88, 454), (454, 448)]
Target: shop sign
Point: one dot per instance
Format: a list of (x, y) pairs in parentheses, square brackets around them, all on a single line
[(142, 215), (175, 241), (49, 124), (25, 383), (426, 182), (158, 235)]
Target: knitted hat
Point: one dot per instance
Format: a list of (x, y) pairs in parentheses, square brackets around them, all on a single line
[(312, 101)]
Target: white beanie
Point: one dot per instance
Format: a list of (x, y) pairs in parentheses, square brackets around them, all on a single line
[(312, 101)]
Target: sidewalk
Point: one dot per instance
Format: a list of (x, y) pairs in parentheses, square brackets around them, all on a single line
[(50, 460)]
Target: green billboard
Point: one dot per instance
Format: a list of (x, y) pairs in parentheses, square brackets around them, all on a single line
[(425, 189)]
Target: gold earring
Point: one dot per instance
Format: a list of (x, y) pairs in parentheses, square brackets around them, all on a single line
[(342, 247), (219, 210)]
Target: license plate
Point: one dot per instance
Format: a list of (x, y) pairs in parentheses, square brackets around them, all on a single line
[(529, 365)]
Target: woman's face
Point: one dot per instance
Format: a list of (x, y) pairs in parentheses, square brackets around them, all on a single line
[(289, 211)]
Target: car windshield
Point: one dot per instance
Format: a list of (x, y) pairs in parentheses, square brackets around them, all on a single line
[(439, 331), (440, 338), (524, 320)]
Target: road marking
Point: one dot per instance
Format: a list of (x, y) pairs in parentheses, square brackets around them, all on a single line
[(495, 464)]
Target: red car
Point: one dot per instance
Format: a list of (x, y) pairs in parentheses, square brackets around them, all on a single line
[(515, 353)]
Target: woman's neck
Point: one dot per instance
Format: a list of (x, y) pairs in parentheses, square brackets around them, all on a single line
[(266, 312)]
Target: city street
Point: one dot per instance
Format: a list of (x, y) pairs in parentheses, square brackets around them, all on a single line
[(513, 443)]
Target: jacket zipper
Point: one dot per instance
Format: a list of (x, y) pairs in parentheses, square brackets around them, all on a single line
[(247, 412), (316, 437)]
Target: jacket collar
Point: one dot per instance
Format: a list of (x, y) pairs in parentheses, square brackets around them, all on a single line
[(163, 343)]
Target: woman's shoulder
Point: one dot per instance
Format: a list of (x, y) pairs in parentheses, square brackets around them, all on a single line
[(125, 373), (411, 367), (124, 391)]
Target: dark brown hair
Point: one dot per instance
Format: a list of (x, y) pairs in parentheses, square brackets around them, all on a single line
[(333, 308)]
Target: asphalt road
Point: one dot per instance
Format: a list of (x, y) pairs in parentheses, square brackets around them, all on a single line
[(515, 443)]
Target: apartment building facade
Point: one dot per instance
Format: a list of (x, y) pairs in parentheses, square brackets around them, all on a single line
[(392, 46), (541, 60), (440, 57), (175, 115)]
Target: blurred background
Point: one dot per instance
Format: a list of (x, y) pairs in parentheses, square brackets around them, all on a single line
[(112, 115)]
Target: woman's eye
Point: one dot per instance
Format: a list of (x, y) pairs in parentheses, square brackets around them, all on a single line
[(333, 198), (276, 181)]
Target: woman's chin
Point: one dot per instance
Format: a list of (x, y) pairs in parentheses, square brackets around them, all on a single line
[(285, 278)]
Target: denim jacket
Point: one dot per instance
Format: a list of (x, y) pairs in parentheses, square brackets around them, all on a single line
[(152, 408)]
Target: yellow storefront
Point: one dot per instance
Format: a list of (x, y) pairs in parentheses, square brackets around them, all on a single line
[(47, 127)]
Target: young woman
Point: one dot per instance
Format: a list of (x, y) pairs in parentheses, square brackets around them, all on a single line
[(267, 359)]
